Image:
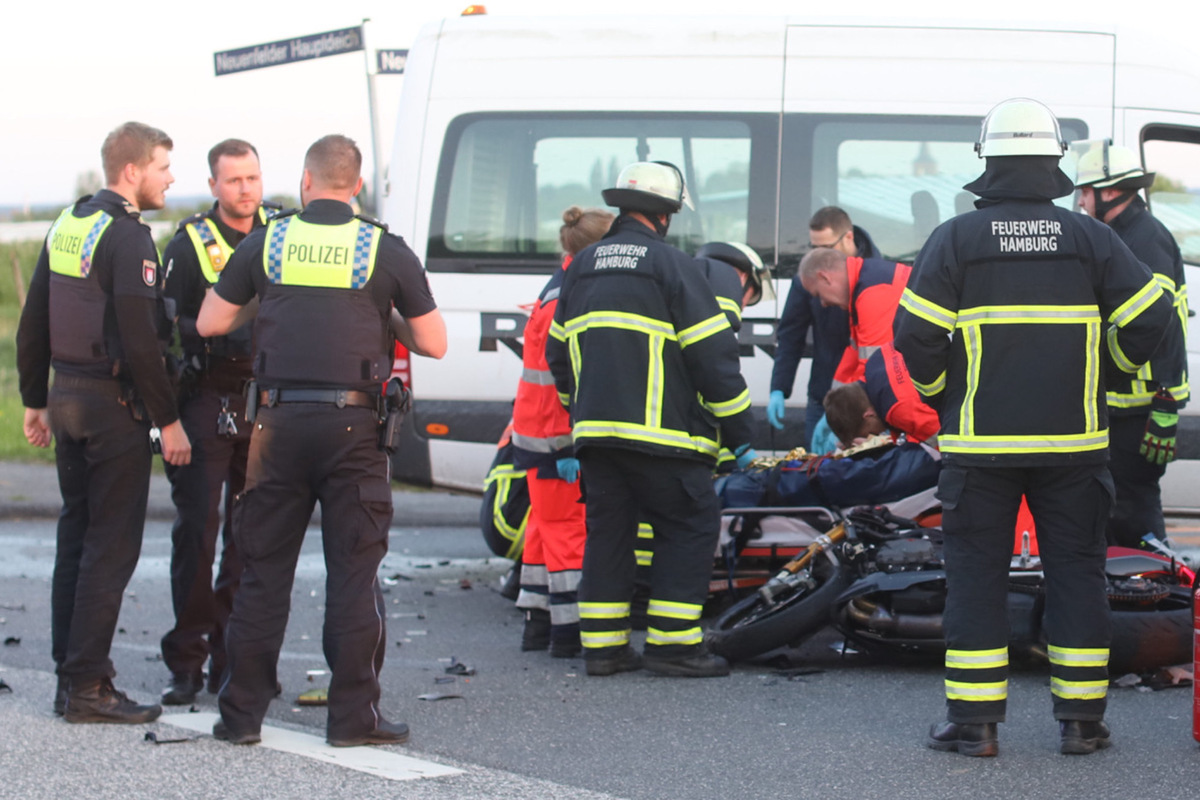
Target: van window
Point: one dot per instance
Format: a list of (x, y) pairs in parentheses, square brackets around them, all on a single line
[(898, 177), (1174, 154), (505, 180)]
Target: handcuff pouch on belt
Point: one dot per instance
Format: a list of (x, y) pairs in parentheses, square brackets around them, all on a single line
[(397, 402)]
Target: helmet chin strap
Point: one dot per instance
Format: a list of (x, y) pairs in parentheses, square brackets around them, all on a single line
[(1105, 206), (661, 222)]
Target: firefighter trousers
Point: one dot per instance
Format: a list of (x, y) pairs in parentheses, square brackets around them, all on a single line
[(1070, 507), (675, 496)]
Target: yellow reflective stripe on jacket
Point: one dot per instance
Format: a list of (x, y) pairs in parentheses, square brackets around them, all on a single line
[(930, 389), (976, 692), (1078, 690), (603, 610), (702, 330), (971, 347), (644, 558), (730, 306), (645, 531), (631, 431), (1091, 379), (299, 253), (930, 312), (654, 380), (212, 251), (613, 319), (977, 659), (1131, 308), (1078, 656), (72, 241), (1119, 358), (1048, 443), (1028, 315), (729, 407), (666, 608), (689, 636), (603, 638)]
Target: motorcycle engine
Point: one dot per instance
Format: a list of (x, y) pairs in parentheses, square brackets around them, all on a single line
[(905, 555)]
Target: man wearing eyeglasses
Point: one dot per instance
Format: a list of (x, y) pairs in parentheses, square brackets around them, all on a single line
[(830, 325)]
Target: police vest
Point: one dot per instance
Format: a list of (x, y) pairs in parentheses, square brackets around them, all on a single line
[(77, 301), (212, 251), (317, 325)]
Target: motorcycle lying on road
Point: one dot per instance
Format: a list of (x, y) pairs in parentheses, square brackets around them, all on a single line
[(880, 580)]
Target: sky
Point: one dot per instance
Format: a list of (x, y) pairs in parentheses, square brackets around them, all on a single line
[(75, 70)]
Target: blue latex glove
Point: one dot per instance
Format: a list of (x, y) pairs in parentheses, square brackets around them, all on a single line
[(568, 469), (745, 454), (775, 409), (823, 440)]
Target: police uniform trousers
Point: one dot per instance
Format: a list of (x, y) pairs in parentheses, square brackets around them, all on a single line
[(218, 466), (1139, 500), (1070, 507), (675, 496), (554, 542), (103, 459), (302, 453)]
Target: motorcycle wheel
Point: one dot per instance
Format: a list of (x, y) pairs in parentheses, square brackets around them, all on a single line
[(1150, 636), (750, 627)]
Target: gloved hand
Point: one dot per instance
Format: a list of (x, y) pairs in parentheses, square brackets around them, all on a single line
[(1158, 443), (775, 409), (745, 455), (568, 469)]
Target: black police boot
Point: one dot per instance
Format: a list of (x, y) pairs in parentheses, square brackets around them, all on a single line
[(60, 696), (385, 733), (699, 663), (182, 689), (564, 641), (536, 635), (99, 701), (965, 738), (225, 734), (614, 660), (1081, 737)]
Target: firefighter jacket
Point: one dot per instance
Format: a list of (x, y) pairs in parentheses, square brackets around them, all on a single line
[(1003, 323), (830, 327), (541, 430), (1155, 247), (95, 306), (875, 288), (726, 286), (642, 355), (895, 399)]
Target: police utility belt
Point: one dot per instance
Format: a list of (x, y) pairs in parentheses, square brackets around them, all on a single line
[(391, 406)]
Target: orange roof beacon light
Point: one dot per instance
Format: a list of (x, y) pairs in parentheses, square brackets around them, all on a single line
[(474, 10)]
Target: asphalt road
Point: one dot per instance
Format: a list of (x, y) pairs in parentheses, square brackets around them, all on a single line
[(528, 726)]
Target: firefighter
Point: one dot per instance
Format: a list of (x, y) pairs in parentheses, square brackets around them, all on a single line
[(648, 365), (868, 288), (1002, 327), (329, 284), (212, 407), (96, 314), (1143, 409), (555, 532), (744, 285)]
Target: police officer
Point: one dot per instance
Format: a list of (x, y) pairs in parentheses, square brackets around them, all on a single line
[(95, 313), (326, 282), (830, 226), (1002, 328), (1143, 409), (212, 408), (648, 366)]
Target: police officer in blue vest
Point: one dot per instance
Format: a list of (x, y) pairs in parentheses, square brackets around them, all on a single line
[(212, 407), (332, 290), (95, 313)]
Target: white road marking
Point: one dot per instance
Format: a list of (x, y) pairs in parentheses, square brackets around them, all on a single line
[(372, 760)]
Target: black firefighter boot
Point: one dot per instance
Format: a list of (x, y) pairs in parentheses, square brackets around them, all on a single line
[(1081, 737), (965, 738), (694, 662), (98, 700), (536, 634)]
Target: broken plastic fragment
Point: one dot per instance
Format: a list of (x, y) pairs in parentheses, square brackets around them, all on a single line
[(12, 641), (439, 696)]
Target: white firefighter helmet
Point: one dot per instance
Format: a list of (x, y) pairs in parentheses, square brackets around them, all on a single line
[(1020, 127), (652, 187), (1110, 166), (742, 258)]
